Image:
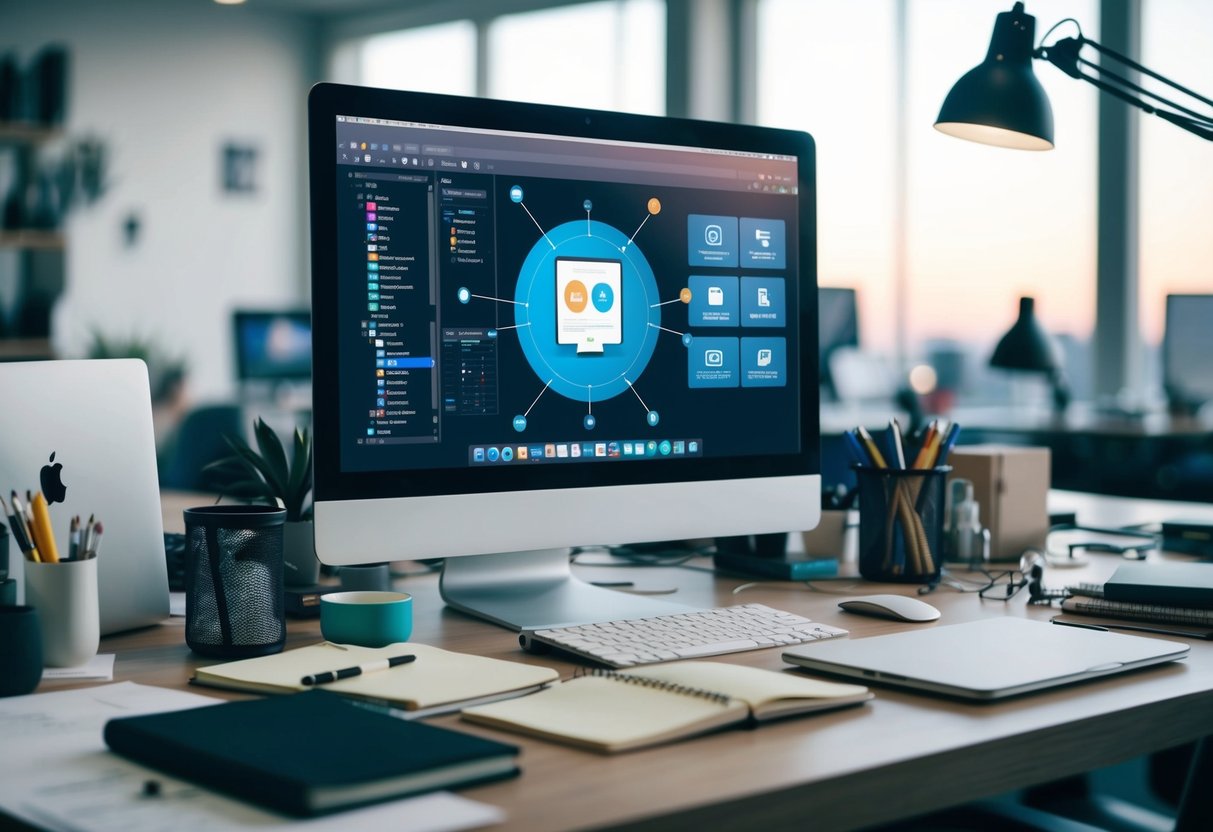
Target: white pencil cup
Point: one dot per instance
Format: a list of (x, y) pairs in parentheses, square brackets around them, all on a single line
[(65, 595)]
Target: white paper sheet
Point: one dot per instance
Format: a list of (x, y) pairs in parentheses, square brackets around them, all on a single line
[(56, 773), (100, 668)]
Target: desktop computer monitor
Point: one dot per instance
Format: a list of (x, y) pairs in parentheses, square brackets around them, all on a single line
[(838, 326), (1187, 344), (273, 345), (538, 327)]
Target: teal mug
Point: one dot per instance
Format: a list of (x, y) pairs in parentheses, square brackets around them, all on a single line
[(368, 619)]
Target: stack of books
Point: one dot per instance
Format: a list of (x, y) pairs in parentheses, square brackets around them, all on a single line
[(1159, 592)]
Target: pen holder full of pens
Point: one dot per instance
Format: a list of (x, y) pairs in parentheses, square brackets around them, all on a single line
[(234, 604), (901, 514), (65, 595)]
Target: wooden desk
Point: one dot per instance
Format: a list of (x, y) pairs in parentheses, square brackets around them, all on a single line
[(901, 755)]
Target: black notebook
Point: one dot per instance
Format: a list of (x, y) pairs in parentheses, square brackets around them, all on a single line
[(308, 753), (1175, 583)]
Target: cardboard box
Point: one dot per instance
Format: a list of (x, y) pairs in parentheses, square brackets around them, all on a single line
[(1011, 485)]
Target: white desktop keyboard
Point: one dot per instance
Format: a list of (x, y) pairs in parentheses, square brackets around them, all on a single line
[(687, 635)]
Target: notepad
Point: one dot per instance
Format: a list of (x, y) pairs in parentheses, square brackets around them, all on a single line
[(438, 681), (608, 711)]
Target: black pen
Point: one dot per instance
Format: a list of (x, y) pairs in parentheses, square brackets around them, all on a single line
[(1107, 628), (357, 670)]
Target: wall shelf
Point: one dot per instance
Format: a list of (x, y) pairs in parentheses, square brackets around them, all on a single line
[(26, 133), (32, 240)]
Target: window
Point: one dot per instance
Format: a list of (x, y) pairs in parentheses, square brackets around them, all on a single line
[(982, 225), (439, 58), (827, 68), (1176, 186), (606, 55)]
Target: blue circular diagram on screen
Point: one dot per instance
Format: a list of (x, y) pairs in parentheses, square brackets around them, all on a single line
[(623, 346)]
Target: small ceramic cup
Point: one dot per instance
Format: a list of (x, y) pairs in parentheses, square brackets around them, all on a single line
[(20, 650), (368, 619), (65, 595)]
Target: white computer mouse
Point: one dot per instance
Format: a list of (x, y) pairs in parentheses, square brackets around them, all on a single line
[(897, 607)]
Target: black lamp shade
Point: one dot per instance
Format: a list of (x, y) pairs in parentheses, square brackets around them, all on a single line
[(1026, 346), (999, 101)]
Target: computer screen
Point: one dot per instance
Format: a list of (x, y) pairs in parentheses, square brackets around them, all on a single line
[(1187, 345), (273, 345), (540, 326)]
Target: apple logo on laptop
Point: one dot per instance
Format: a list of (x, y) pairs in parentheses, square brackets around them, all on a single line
[(52, 484)]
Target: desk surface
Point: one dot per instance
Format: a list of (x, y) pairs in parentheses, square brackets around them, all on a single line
[(900, 755)]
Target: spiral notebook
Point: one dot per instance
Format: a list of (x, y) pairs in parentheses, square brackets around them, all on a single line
[(608, 711)]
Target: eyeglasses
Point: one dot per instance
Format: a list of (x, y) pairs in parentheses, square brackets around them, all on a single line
[(1004, 585)]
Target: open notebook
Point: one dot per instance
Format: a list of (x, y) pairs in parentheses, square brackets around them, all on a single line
[(438, 681), (607, 711)]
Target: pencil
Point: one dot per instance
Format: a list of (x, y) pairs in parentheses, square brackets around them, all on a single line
[(44, 537)]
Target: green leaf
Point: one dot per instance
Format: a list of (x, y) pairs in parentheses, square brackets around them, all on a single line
[(250, 490), (250, 456), (300, 484), (272, 454)]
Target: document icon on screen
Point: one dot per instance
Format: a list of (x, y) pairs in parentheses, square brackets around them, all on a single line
[(715, 296), (764, 358), (713, 358)]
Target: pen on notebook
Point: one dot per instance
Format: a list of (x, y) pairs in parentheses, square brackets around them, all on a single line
[(356, 670)]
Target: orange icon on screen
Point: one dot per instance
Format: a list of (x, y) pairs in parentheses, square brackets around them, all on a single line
[(575, 296), (372, 256)]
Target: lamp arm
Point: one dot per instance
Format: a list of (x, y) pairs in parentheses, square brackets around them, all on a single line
[(1064, 55)]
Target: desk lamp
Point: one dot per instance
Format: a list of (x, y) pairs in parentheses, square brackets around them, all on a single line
[(1028, 348), (1000, 102)]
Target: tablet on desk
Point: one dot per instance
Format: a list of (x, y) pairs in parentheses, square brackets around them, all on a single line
[(986, 660)]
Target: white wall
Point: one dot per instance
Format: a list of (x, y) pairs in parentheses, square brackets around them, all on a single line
[(165, 83)]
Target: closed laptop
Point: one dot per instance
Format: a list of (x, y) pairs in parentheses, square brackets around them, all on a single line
[(985, 660)]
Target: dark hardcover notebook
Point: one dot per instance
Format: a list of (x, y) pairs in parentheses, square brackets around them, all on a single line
[(1173, 583), (308, 753)]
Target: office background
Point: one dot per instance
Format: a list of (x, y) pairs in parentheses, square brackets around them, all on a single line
[(198, 110)]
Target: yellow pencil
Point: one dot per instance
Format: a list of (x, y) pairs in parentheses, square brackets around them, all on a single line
[(43, 533)]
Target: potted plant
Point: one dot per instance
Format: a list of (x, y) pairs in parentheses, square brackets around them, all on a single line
[(266, 475)]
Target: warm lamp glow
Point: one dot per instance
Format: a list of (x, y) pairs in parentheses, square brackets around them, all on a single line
[(923, 379), (998, 136)]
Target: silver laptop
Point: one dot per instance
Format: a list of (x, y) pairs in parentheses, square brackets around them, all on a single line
[(986, 660), (96, 418)]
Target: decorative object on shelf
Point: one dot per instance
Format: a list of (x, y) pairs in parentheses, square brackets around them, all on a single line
[(1000, 102), (266, 475)]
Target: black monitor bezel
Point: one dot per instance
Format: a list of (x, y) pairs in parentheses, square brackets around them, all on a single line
[(327, 101), (240, 316)]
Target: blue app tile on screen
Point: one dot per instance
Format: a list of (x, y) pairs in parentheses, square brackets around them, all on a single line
[(714, 301), (763, 244), (712, 362), (711, 240), (764, 362), (763, 302)]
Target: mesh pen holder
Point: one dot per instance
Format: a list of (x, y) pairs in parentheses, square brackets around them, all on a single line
[(901, 523), (234, 604)]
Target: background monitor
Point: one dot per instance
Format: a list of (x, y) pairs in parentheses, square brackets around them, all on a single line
[(1187, 345), (455, 412), (838, 326), (273, 345)]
